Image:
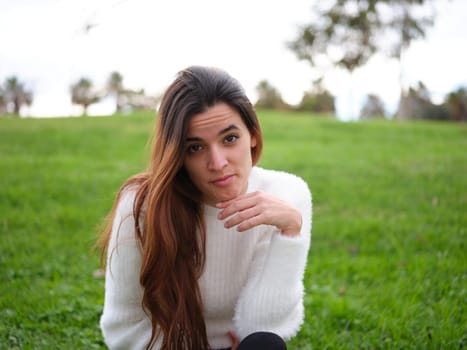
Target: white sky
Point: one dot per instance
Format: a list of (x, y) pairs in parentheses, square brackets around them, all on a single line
[(44, 43)]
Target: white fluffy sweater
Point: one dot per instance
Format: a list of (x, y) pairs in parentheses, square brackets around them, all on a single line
[(252, 281)]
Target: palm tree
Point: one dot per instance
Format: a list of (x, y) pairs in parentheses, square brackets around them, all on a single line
[(82, 94), (115, 87), (16, 95)]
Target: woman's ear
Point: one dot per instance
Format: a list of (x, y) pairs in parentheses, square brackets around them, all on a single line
[(253, 141)]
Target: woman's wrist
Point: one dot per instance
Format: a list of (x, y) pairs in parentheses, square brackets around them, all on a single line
[(295, 226)]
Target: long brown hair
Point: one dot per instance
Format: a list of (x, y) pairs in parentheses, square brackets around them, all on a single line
[(169, 207)]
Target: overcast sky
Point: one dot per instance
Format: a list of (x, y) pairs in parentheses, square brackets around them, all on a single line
[(45, 44)]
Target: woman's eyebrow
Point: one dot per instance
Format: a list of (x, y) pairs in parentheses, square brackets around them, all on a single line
[(223, 131), (227, 129)]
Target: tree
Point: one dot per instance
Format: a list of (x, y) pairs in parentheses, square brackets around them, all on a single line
[(83, 94), (138, 100), (15, 95), (349, 32), (373, 108), (115, 87), (318, 100), (269, 97), (2, 101), (456, 103), (416, 104)]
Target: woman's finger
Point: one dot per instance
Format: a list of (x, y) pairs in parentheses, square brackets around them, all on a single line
[(242, 217), (237, 204), (235, 340)]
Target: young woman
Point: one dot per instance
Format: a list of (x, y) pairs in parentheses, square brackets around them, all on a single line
[(205, 250)]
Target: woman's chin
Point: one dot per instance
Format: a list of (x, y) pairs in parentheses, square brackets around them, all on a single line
[(224, 197)]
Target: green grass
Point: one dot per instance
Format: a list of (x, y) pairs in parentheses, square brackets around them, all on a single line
[(387, 267)]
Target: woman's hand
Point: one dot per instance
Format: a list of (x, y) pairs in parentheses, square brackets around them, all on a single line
[(235, 340), (258, 208)]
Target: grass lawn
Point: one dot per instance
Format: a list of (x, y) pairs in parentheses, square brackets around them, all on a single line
[(387, 267)]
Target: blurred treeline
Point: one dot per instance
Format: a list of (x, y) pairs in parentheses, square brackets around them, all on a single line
[(414, 104), (14, 95), (343, 34), (346, 34)]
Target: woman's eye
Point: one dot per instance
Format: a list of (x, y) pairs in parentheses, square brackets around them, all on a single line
[(230, 139), (194, 148)]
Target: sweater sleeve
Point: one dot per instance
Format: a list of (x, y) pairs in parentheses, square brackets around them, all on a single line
[(124, 323), (272, 299)]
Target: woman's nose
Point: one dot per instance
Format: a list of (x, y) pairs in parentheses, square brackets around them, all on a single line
[(217, 160)]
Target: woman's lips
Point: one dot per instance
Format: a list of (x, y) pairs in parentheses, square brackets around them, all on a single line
[(223, 181)]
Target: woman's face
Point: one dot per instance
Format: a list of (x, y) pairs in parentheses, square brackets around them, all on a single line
[(218, 153)]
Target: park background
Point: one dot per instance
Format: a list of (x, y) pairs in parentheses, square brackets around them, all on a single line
[(50, 44), (387, 265)]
